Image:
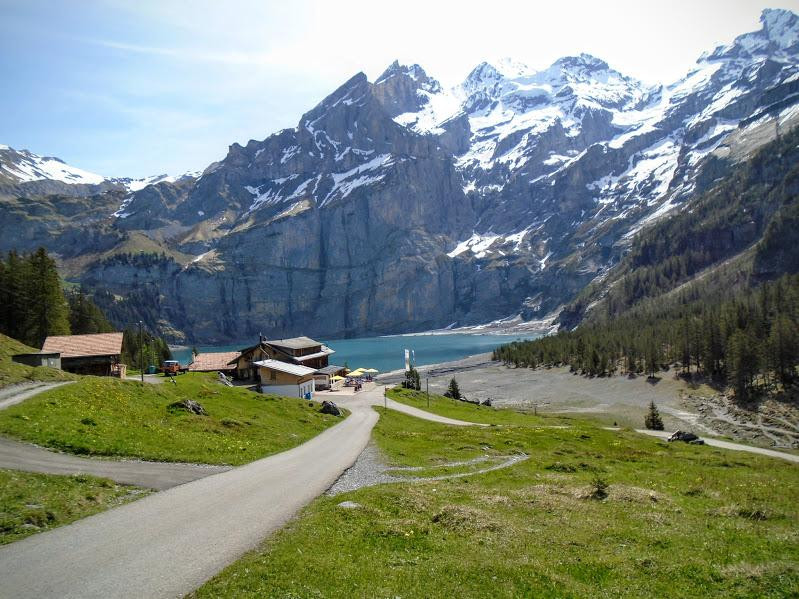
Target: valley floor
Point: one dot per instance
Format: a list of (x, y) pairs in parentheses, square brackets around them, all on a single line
[(616, 400)]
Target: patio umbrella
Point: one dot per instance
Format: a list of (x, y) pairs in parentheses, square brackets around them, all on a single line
[(357, 372), (372, 370), (336, 378)]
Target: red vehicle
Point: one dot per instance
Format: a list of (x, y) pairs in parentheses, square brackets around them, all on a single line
[(173, 367)]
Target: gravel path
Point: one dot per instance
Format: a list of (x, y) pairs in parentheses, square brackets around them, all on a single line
[(728, 445), (371, 469)]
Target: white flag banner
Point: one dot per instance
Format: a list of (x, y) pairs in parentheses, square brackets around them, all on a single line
[(413, 358), (407, 360)]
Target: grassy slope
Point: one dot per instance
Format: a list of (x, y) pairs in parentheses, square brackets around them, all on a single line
[(104, 416), (12, 373), (679, 520), (31, 503)]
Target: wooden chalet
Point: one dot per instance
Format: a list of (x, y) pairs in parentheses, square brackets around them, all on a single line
[(98, 354), (301, 351)]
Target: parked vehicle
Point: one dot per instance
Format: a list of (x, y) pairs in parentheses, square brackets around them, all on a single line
[(173, 367)]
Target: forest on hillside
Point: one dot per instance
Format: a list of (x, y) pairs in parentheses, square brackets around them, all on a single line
[(750, 341), (34, 304)]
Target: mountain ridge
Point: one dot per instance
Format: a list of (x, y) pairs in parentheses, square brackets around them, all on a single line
[(399, 205)]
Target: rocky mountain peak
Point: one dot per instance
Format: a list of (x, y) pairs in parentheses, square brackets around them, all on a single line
[(780, 26), (778, 34), (404, 88), (582, 63)]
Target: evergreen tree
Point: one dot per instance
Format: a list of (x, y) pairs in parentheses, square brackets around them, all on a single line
[(742, 363), (412, 380), (48, 311), (783, 348), (653, 421), (453, 390), (85, 317)]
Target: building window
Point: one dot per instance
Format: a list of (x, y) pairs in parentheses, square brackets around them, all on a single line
[(273, 375)]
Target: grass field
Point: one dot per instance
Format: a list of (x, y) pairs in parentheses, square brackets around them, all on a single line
[(12, 373), (109, 417), (31, 503), (590, 513)]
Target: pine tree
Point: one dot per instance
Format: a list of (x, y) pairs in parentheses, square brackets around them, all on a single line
[(653, 421), (49, 313), (453, 390), (412, 380), (783, 348), (84, 316)]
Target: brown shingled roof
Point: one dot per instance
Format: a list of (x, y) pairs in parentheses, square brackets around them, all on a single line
[(78, 346), (213, 361)]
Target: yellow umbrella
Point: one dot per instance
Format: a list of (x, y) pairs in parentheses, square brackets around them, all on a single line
[(357, 372), (372, 370), (336, 378)]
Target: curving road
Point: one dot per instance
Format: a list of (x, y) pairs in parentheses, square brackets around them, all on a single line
[(168, 544), (16, 455), (11, 396)]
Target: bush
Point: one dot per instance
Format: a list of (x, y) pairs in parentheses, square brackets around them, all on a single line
[(599, 488)]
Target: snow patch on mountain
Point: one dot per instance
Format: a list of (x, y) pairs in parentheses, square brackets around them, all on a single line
[(24, 166)]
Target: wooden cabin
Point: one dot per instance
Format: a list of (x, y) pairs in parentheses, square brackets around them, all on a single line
[(302, 351), (98, 354), (283, 378)]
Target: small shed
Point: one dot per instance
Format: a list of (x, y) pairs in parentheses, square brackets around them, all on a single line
[(323, 376), (282, 378), (51, 360), (98, 354)]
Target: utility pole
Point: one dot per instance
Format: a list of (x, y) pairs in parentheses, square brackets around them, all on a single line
[(427, 388), (141, 352)]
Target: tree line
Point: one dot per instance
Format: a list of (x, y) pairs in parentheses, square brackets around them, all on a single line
[(34, 305), (750, 341)]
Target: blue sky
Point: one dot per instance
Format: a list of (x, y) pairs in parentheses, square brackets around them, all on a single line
[(147, 87)]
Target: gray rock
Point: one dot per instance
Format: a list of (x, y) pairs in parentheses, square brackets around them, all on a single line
[(328, 407), (190, 406)]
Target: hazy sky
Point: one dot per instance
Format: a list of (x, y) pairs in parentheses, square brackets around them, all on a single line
[(146, 87)]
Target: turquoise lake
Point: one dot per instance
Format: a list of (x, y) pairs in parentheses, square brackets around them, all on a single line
[(387, 353)]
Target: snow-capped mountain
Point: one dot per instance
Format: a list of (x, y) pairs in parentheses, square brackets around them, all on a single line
[(18, 167), (400, 205), (22, 166)]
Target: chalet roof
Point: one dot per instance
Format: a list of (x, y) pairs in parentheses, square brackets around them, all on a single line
[(326, 351), (329, 369), (294, 369), (294, 342), (80, 346), (213, 361)]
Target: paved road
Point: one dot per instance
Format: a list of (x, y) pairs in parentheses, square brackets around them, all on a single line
[(728, 445), (168, 544), (15, 394), (154, 475)]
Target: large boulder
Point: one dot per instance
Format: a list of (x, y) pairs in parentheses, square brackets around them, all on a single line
[(328, 407)]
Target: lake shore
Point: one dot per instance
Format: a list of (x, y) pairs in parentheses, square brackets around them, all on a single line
[(620, 400)]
